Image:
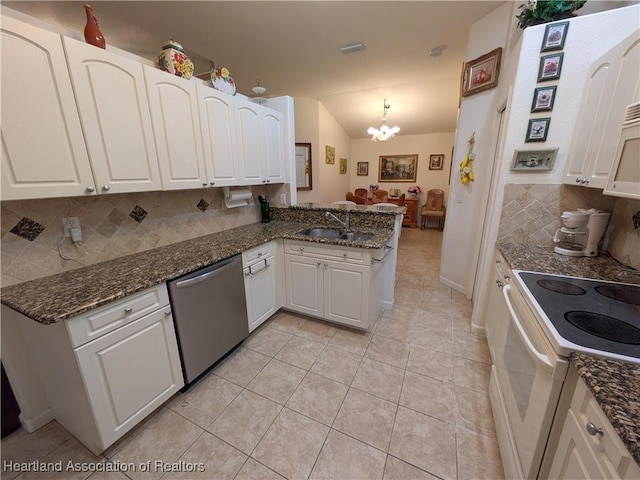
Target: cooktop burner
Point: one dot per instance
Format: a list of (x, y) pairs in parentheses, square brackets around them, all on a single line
[(597, 315)]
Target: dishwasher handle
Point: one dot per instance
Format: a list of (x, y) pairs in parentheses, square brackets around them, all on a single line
[(214, 270)]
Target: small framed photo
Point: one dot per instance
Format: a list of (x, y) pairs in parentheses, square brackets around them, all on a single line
[(481, 73), (537, 130), (550, 67), (329, 154), (543, 98), (363, 169), (554, 36), (343, 166), (534, 160), (436, 162)]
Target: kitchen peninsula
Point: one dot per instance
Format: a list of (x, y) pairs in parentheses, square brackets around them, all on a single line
[(55, 327)]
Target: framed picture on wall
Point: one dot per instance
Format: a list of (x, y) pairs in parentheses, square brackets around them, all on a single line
[(537, 130), (554, 36), (543, 99), (436, 162), (534, 160), (398, 168), (343, 166), (363, 168), (481, 73), (550, 67), (329, 154)]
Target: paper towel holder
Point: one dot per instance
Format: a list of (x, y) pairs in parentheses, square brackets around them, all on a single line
[(239, 197)]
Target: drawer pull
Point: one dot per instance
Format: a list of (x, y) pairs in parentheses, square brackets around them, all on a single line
[(593, 430), (301, 249), (167, 313), (345, 254), (128, 310)]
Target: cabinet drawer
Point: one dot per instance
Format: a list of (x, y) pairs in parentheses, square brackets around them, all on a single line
[(330, 252), (608, 448), (258, 253), (96, 323)]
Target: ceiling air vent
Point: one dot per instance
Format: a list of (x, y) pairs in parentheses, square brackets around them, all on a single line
[(632, 114)]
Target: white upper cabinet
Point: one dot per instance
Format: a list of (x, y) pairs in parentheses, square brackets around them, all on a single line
[(261, 143), (612, 84), (43, 149), (114, 110), (173, 102), (218, 124), (274, 146)]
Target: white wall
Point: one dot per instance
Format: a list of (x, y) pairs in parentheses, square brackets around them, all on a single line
[(315, 124), (364, 150), (467, 203), (307, 131)]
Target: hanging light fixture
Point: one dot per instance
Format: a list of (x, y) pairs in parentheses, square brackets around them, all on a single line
[(259, 90), (384, 133)]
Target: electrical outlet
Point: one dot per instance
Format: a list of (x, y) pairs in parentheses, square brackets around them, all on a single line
[(68, 223), (283, 199)]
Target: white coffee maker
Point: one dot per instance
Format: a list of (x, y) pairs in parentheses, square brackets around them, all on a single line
[(581, 232)]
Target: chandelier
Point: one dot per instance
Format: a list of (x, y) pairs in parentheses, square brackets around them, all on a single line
[(384, 133)]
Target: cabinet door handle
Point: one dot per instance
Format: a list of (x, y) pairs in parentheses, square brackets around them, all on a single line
[(345, 254), (301, 249), (319, 263), (90, 189), (204, 184), (212, 183), (128, 310), (326, 264), (106, 188), (593, 430)]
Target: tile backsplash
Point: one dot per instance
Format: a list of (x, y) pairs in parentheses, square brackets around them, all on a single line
[(531, 215), (33, 243)]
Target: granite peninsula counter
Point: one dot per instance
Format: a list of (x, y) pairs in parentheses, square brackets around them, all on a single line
[(65, 295), (614, 384)]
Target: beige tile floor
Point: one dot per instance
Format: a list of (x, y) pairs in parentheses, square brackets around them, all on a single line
[(306, 399)]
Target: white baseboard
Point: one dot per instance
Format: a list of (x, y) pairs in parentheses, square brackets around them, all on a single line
[(33, 424)]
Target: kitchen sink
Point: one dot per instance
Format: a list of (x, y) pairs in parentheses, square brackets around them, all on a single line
[(334, 233)]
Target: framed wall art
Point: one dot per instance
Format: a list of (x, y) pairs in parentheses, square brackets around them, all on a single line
[(537, 130), (343, 166), (550, 67), (543, 98), (363, 168), (534, 160), (554, 36), (436, 162), (398, 168), (481, 73), (329, 154)]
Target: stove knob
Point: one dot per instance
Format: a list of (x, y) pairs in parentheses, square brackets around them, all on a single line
[(593, 430)]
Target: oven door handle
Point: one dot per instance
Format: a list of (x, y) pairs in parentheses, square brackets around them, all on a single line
[(523, 335)]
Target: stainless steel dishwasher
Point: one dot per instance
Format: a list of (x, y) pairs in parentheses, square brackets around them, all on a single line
[(210, 314)]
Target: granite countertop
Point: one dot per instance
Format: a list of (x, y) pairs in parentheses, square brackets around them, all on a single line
[(615, 384), (616, 387), (65, 295)]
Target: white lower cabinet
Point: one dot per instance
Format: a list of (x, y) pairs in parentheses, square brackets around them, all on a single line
[(105, 371), (262, 282), (340, 284), (588, 446)]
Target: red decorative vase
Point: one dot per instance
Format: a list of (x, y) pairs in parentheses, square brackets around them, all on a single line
[(92, 33)]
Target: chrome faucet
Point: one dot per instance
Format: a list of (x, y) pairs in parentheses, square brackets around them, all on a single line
[(345, 224)]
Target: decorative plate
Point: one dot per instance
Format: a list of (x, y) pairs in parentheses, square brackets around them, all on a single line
[(222, 80)]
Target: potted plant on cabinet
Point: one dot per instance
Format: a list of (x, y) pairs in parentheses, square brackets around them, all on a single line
[(535, 12)]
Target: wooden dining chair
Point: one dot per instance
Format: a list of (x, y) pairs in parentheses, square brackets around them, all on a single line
[(380, 196), (434, 208), (361, 192)]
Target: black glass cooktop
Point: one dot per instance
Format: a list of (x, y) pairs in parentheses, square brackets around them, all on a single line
[(599, 315)]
